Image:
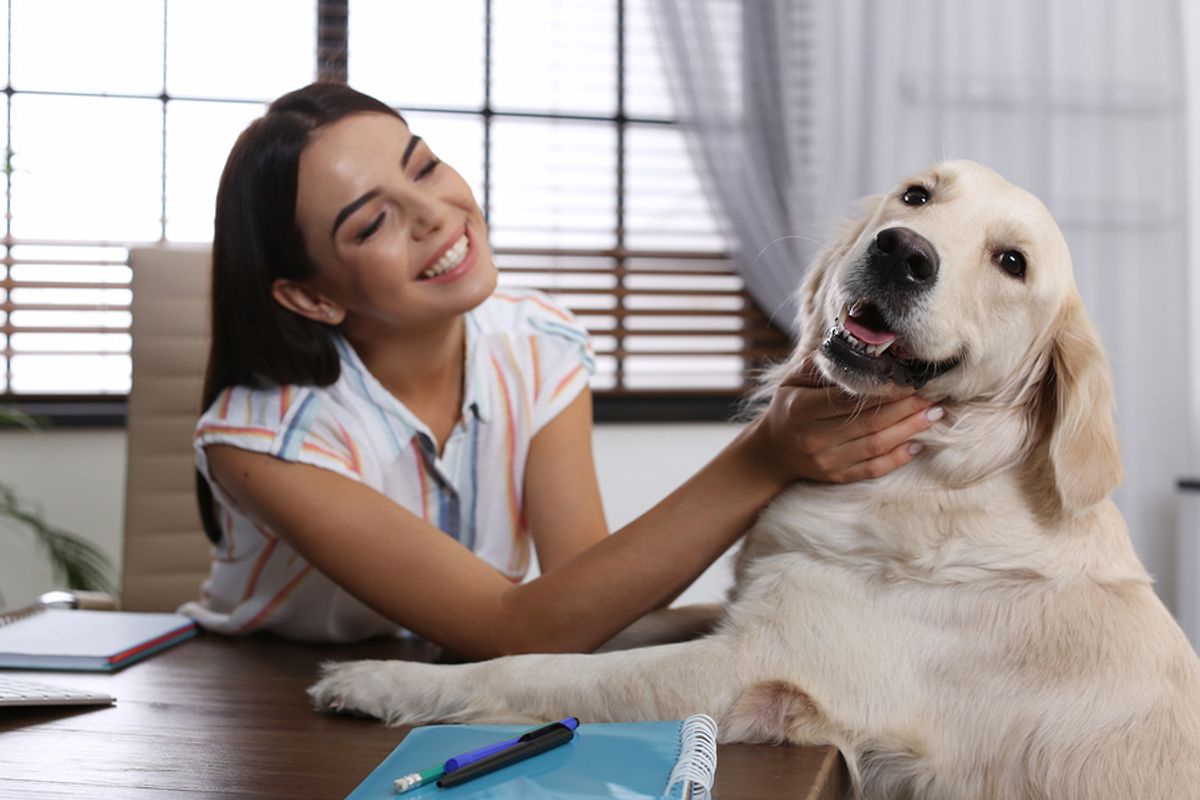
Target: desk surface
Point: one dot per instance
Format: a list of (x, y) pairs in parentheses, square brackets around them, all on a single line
[(218, 718)]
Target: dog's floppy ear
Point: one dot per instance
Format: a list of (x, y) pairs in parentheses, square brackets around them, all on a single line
[(1083, 448), (810, 294)]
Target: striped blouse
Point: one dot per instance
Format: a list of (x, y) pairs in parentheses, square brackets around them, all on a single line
[(527, 360)]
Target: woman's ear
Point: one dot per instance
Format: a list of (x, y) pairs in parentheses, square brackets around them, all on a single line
[(1084, 452), (307, 302), (813, 288)]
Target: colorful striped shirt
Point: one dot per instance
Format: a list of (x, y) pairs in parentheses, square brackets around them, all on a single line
[(527, 360)]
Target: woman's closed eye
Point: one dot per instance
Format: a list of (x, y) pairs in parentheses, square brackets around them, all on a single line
[(427, 169), (369, 231)]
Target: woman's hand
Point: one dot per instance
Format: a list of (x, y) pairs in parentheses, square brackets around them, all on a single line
[(815, 431)]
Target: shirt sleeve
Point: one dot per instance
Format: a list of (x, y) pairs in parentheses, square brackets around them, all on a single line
[(565, 361), (291, 423)]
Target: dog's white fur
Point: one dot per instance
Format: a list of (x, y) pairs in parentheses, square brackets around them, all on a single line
[(973, 625)]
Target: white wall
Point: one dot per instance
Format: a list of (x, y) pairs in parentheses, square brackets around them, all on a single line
[(1191, 57), (1187, 573), (77, 479)]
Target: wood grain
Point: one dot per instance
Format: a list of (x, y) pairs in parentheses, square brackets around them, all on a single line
[(228, 719)]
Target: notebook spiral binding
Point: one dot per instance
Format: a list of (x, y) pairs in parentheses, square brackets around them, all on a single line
[(9, 617), (697, 765)]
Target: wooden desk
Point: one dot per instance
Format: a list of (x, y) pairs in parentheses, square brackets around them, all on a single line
[(225, 718)]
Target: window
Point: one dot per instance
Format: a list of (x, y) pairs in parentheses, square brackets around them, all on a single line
[(118, 124), (556, 112)]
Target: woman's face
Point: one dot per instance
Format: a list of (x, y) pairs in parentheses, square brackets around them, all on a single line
[(397, 237)]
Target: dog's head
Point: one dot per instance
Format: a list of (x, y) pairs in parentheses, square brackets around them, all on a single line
[(959, 284)]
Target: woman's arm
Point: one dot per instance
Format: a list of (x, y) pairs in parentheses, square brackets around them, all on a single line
[(562, 499), (412, 573)]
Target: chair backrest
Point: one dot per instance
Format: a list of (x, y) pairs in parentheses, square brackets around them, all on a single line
[(166, 552)]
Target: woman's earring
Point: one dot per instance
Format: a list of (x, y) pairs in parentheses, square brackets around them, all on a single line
[(330, 314)]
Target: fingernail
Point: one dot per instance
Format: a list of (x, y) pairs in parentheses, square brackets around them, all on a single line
[(935, 413), (915, 448)]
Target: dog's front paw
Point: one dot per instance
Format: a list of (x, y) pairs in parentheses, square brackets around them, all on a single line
[(366, 688)]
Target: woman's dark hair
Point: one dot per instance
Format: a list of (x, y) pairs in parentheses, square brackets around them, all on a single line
[(255, 340)]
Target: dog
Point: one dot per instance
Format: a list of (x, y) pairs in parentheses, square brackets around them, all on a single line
[(972, 625)]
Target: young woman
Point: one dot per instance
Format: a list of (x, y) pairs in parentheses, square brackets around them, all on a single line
[(386, 433)]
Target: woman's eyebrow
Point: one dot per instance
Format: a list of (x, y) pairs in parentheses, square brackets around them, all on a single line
[(408, 151), (350, 209)]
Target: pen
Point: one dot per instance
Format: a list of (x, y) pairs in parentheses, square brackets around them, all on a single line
[(430, 774), (471, 757), (556, 735)]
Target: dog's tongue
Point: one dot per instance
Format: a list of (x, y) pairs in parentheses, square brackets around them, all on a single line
[(866, 334)]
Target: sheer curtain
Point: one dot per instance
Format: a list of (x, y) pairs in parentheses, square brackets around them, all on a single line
[(795, 108)]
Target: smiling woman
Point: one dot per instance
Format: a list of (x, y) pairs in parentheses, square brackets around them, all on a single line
[(387, 434), (399, 218)]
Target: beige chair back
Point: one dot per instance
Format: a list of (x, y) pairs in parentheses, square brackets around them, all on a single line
[(166, 552)]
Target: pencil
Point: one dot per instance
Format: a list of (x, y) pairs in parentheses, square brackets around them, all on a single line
[(415, 779)]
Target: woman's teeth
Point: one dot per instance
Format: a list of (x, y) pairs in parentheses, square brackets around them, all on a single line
[(450, 259)]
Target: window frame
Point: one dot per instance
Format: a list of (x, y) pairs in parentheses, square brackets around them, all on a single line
[(759, 345)]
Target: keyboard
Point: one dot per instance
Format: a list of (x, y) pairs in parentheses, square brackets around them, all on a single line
[(21, 692)]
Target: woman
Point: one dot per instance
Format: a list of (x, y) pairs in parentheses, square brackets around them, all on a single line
[(369, 392)]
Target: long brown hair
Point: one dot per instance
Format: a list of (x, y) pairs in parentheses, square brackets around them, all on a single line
[(255, 340)]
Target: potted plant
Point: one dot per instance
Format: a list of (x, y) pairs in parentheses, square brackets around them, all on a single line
[(76, 562)]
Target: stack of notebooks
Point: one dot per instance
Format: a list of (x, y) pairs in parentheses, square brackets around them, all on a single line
[(72, 639), (672, 759)]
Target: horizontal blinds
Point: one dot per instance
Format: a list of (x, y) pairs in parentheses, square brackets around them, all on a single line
[(594, 198), (64, 319), (660, 321)]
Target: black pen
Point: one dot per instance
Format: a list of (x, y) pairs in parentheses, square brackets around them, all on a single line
[(547, 739)]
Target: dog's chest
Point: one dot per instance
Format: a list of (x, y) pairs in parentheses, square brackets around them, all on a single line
[(873, 525)]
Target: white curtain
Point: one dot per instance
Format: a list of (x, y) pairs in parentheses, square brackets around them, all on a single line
[(795, 108)]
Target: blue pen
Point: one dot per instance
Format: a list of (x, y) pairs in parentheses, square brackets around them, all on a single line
[(570, 723), (431, 774), (530, 745)]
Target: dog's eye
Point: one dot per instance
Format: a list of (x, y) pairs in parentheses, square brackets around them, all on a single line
[(1013, 263), (915, 196)]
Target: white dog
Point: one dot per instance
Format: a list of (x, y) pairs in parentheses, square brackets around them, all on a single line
[(974, 625)]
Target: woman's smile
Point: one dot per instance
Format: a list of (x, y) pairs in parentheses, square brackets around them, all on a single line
[(411, 250), (453, 259)]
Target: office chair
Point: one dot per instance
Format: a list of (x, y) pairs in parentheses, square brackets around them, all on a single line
[(166, 553)]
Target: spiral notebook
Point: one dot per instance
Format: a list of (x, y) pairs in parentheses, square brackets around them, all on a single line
[(672, 759), (78, 639)]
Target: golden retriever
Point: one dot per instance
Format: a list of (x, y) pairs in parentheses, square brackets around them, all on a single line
[(973, 625)]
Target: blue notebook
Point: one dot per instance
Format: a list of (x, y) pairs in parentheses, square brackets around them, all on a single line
[(627, 760), (82, 639)]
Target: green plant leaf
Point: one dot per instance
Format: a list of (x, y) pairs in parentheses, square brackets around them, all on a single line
[(78, 562), (13, 416)]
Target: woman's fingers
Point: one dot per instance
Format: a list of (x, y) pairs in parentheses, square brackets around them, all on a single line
[(815, 431), (814, 398), (857, 422), (888, 445), (880, 465)]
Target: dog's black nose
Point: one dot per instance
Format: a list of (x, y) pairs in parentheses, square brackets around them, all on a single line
[(902, 257)]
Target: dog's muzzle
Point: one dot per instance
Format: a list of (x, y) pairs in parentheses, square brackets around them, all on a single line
[(894, 273), (863, 342)]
